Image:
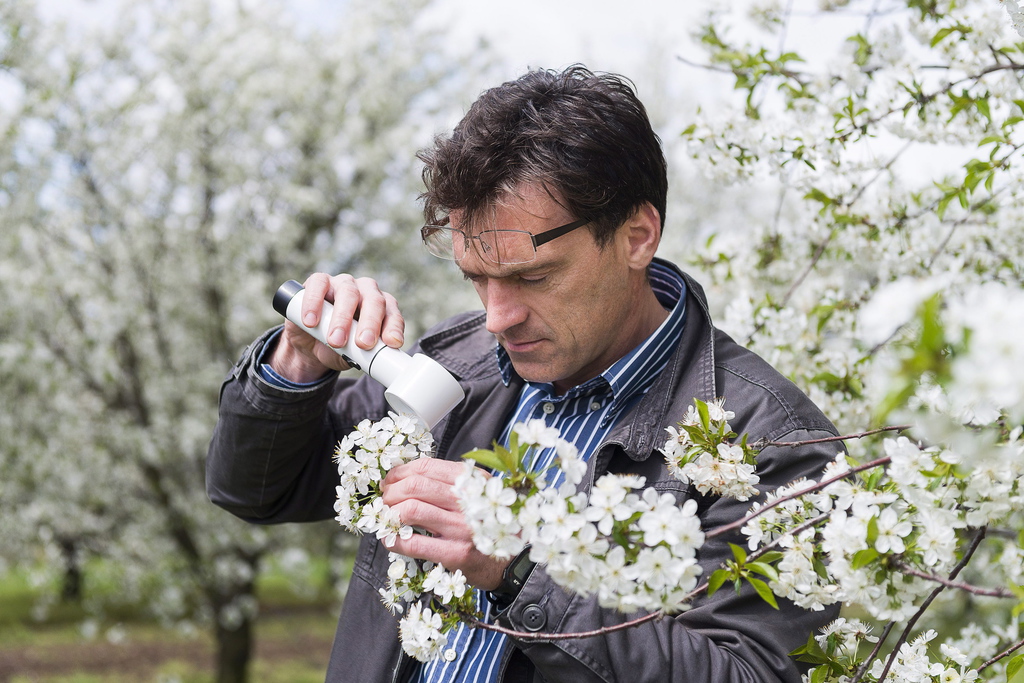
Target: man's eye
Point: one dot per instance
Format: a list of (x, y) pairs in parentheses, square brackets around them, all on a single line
[(532, 279)]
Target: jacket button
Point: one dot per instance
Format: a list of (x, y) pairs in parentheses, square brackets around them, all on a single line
[(534, 618)]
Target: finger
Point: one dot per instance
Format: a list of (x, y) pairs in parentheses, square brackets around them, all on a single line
[(372, 311), (451, 553), (420, 489), (345, 294), (480, 570), (393, 330), (444, 471), (315, 290), (437, 521)]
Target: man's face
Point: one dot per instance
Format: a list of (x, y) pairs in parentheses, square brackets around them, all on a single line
[(571, 312)]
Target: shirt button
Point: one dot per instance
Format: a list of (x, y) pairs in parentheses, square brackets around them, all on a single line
[(534, 618), (596, 405), (548, 408), (450, 654)]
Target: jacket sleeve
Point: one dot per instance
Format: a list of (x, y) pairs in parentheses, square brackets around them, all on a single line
[(270, 458), (722, 639)]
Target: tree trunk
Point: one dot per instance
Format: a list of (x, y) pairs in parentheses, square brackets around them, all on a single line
[(71, 590), (234, 649)]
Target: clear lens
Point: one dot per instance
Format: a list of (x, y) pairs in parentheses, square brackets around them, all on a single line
[(438, 239), (506, 247), (501, 247)]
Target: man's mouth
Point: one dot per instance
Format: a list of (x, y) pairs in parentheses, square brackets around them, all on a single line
[(520, 346)]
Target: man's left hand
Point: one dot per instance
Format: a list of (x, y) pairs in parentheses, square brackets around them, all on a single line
[(421, 492)]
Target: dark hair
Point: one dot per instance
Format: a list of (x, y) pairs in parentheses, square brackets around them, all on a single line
[(585, 137)]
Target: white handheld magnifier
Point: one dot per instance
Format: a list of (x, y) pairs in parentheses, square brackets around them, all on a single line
[(413, 385)]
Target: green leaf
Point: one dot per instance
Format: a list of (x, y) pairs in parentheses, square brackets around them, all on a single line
[(739, 553), (810, 652), (717, 579), (702, 409), (864, 557), (989, 139), (485, 457), (941, 35), (1013, 668), (764, 591), (817, 195), (507, 458), (764, 570), (983, 108), (820, 569)]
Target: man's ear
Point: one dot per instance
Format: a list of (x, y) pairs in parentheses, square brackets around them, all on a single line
[(641, 235)]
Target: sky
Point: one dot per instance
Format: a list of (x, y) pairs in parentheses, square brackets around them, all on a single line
[(606, 35), (639, 39)]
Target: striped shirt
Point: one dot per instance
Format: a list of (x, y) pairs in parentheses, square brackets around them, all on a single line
[(584, 415)]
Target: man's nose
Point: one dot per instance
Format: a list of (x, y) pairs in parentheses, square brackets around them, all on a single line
[(504, 306)]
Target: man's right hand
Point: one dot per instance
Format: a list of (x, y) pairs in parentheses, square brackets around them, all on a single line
[(301, 358)]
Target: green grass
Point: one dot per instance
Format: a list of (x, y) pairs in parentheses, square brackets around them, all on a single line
[(293, 635)]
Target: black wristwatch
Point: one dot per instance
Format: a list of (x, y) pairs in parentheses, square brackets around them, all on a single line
[(512, 579)]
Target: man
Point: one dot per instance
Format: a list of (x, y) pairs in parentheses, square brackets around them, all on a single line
[(550, 196)]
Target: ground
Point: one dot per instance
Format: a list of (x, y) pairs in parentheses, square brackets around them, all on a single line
[(287, 646)]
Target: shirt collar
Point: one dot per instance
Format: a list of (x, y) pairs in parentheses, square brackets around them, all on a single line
[(635, 371)]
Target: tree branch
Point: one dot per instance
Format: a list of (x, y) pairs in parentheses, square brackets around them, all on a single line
[(725, 528), (928, 601), (860, 435), (970, 588), (550, 637), (863, 668), (1005, 653)]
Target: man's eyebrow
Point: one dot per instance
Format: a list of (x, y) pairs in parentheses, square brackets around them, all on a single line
[(506, 272)]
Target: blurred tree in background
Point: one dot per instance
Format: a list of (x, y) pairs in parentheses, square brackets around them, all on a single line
[(158, 179)]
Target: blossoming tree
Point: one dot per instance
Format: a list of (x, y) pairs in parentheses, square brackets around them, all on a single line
[(887, 283), (159, 177)]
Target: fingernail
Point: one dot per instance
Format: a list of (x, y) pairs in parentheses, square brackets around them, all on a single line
[(336, 339), (309, 319), (366, 337)]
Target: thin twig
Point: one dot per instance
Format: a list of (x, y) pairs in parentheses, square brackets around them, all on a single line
[(960, 585), (845, 437), (795, 531), (1005, 653), (863, 668), (542, 637), (818, 253), (725, 528), (928, 601), (706, 67)]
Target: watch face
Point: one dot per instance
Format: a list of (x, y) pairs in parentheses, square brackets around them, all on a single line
[(519, 568)]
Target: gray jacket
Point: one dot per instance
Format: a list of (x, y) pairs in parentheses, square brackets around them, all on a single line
[(269, 462)]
